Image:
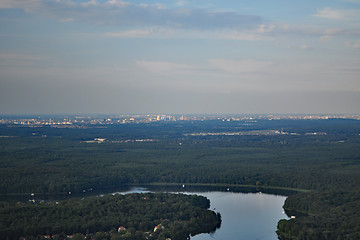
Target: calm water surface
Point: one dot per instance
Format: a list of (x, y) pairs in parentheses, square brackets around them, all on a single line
[(245, 216)]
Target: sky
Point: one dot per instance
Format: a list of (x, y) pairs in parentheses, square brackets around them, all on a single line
[(179, 56)]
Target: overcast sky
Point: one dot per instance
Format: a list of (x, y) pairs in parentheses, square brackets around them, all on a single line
[(179, 56)]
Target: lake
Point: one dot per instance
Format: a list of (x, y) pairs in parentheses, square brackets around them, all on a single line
[(249, 216), (245, 215)]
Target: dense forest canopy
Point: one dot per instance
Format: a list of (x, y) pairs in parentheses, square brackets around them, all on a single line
[(132, 216), (322, 156)]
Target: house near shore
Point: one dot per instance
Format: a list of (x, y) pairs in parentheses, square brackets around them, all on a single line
[(121, 228), (158, 227)]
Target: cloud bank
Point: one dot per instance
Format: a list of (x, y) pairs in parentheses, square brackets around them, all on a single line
[(121, 13)]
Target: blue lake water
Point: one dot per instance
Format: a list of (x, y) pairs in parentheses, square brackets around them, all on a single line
[(245, 215)]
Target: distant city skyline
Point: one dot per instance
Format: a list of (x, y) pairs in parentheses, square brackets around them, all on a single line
[(179, 57)]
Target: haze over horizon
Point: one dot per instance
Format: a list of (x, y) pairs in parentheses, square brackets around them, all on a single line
[(180, 56)]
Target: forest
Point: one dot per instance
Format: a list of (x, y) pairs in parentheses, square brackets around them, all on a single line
[(319, 159), (322, 215)]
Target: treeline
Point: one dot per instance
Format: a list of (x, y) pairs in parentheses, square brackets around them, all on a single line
[(54, 165), (176, 215)]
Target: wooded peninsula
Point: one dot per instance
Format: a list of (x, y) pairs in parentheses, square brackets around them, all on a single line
[(146, 216)]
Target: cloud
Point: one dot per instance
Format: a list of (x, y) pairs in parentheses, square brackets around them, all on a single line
[(117, 3), (223, 65), (165, 68), (66, 20), (338, 14), (245, 66), (330, 33), (19, 59), (122, 13), (264, 28), (326, 37), (329, 13), (304, 47), (272, 32), (130, 34), (353, 44), (258, 32), (140, 20), (160, 32), (262, 32), (237, 35), (353, 1), (159, 6), (27, 5), (181, 3), (90, 3), (333, 31), (141, 33), (276, 31)]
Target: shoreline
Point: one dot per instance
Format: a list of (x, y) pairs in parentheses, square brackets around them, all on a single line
[(182, 186)]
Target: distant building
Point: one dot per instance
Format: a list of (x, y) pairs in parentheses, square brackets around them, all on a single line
[(99, 140)]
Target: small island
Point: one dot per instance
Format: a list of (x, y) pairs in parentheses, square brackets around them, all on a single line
[(131, 216)]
